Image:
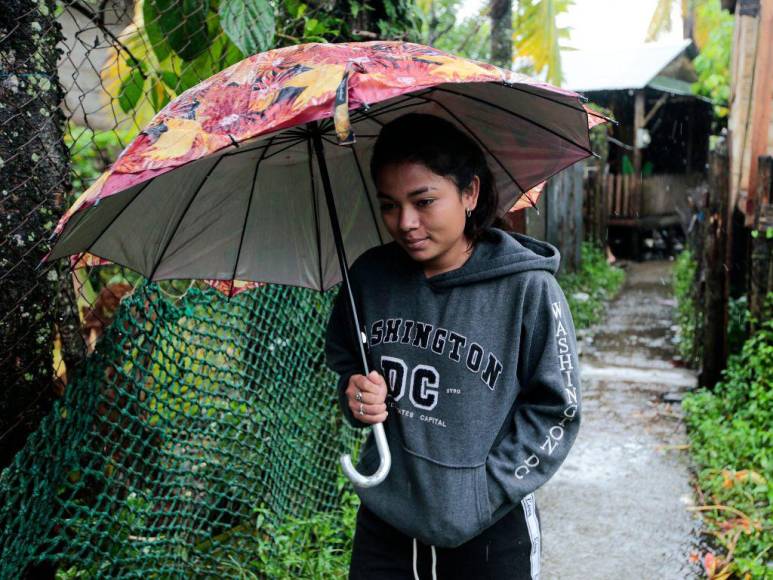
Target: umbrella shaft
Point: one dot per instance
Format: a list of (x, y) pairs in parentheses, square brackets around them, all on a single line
[(328, 188)]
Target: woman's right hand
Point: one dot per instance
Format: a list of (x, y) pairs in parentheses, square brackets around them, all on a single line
[(367, 394)]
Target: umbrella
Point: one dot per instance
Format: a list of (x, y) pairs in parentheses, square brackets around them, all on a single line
[(227, 183)]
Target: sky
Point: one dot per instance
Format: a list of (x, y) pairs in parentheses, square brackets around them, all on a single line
[(604, 23)]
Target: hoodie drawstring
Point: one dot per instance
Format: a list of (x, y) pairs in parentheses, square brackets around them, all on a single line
[(415, 573), (434, 562)]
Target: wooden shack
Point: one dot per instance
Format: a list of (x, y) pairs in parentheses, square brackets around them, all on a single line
[(749, 262), (658, 151), (750, 122)]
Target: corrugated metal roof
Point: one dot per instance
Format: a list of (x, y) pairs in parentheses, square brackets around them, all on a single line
[(616, 68)]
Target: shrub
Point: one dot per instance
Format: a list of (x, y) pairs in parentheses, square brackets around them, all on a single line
[(687, 312), (732, 444)]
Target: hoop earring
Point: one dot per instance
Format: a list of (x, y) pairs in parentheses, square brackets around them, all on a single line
[(469, 212)]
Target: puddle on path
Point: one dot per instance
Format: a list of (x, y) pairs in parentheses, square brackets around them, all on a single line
[(616, 508)]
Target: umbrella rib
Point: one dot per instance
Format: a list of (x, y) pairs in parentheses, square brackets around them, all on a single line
[(480, 142), (367, 194), (316, 217), (557, 102), (182, 216), (239, 151), (535, 123), (392, 107), (112, 221), (328, 140), (246, 215), (371, 117), (283, 149)]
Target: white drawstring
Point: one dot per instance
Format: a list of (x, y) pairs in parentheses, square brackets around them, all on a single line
[(434, 562), (415, 573)]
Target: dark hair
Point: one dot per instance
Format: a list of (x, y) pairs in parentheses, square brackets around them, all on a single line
[(446, 150)]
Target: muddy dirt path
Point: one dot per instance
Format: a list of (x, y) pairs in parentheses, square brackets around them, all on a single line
[(617, 507)]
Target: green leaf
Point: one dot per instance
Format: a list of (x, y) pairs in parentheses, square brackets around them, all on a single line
[(250, 24), (312, 27), (153, 31), (183, 23), (295, 8), (158, 95), (203, 66), (131, 90), (537, 35), (172, 81)]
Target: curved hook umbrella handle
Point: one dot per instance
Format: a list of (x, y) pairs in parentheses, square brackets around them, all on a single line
[(383, 469)]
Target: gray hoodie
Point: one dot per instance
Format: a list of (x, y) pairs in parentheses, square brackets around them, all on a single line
[(483, 381)]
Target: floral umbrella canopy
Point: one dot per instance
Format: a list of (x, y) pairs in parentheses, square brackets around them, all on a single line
[(222, 185)]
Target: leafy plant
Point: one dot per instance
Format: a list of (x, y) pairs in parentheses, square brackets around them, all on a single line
[(688, 316), (732, 444), (591, 287), (538, 37), (738, 316), (712, 65), (171, 45), (316, 547), (437, 24)]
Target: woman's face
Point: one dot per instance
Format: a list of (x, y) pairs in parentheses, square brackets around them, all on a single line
[(418, 205)]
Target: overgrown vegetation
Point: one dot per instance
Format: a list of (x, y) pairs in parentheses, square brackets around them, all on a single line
[(588, 290), (732, 445), (317, 547), (687, 312)]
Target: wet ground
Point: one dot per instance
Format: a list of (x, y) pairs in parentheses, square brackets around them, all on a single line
[(617, 507)]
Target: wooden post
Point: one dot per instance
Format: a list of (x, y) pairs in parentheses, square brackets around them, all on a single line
[(763, 93), (714, 254), (761, 266), (626, 193), (638, 123), (603, 211)]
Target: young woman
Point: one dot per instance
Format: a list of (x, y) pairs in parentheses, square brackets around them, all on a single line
[(475, 370)]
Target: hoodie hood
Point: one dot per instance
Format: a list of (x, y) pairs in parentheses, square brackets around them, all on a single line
[(498, 253)]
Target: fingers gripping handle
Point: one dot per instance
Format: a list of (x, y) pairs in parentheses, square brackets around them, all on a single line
[(381, 444)]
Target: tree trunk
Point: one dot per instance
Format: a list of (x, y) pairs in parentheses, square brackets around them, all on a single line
[(34, 169), (502, 33)]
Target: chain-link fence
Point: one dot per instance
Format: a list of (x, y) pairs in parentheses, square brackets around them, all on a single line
[(141, 425)]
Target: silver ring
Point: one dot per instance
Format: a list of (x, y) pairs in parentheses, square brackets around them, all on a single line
[(362, 409), (358, 397)]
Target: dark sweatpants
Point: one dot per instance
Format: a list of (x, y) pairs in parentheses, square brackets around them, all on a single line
[(508, 550)]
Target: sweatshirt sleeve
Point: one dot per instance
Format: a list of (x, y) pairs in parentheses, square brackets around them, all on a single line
[(546, 415), (342, 353)]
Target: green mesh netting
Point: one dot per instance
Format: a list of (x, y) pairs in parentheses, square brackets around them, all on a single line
[(186, 419)]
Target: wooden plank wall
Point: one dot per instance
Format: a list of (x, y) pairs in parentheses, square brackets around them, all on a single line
[(563, 214), (750, 122)]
